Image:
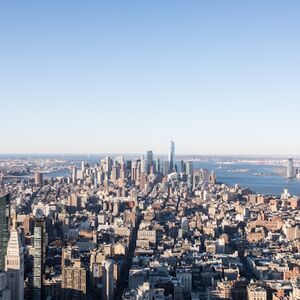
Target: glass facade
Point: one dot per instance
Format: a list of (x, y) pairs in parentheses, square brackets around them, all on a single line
[(39, 254), (4, 228)]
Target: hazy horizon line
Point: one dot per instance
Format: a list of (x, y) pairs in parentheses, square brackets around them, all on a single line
[(141, 153)]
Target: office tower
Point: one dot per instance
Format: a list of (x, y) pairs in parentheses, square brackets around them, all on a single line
[(14, 264), (107, 165), (4, 228), (108, 279), (143, 181), (204, 175), (134, 171), (158, 166), (290, 168), (149, 161), (143, 164), (182, 166), (81, 174), (74, 280), (38, 178), (73, 203), (212, 178), (166, 167), (196, 178), (28, 225), (74, 174), (171, 156), (115, 173), (189, 168), (100, 177), (128, 165), (138, 170), (123, 173), (40, 240)]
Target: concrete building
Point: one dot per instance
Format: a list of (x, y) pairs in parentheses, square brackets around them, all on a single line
[(74, 281), (256, 292), (38, 178)]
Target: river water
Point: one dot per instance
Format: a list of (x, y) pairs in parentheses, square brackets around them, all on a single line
[(262, 179)]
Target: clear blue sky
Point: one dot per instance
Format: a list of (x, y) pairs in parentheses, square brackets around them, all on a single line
[(123, 76)]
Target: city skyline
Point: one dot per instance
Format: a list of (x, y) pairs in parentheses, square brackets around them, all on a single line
[(221, 78), (148, 150), (127, 229)]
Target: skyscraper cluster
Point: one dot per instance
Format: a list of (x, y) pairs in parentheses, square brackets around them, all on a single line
[(145, 227)]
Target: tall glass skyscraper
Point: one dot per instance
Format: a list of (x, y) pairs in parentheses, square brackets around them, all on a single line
[(149, 161), (171, 156), (39, 257), (4, 228)]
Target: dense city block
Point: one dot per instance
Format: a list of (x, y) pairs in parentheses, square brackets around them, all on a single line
[(143, 228)]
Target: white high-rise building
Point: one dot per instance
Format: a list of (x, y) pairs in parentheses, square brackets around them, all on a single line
[(290, 169), (143, 164), (108, 287), (14, 264), (108, 164), (171, 156)]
